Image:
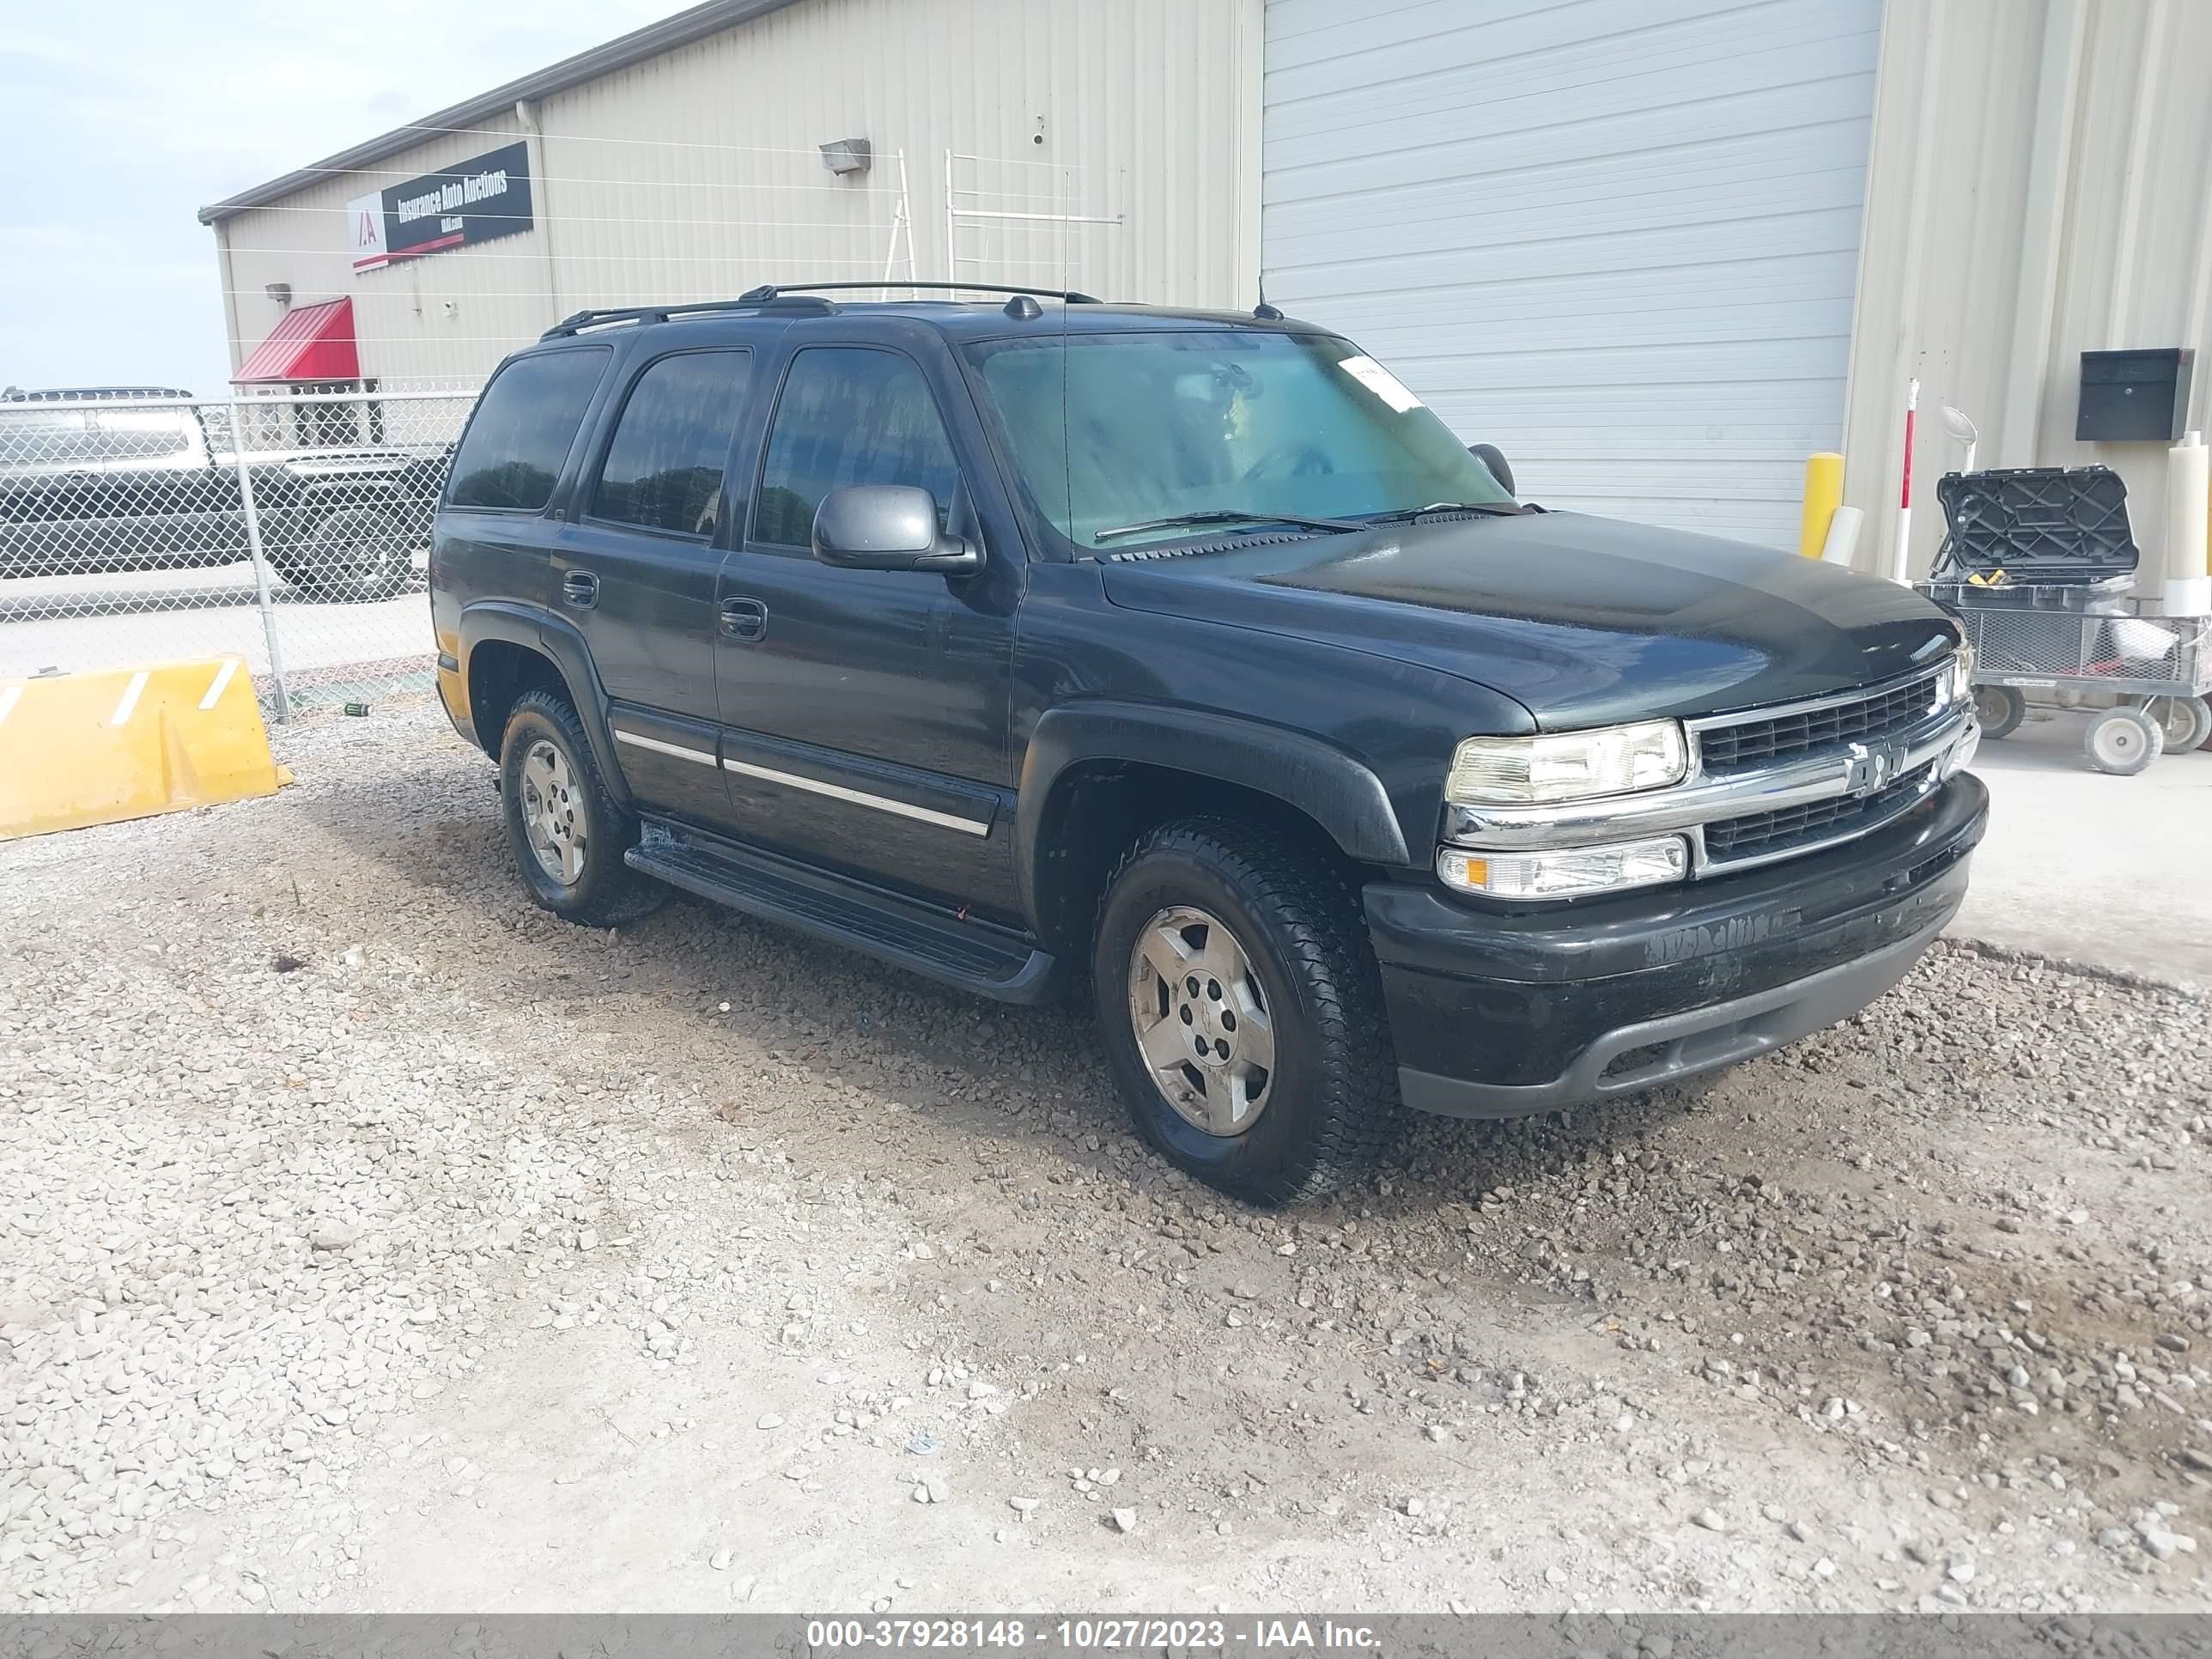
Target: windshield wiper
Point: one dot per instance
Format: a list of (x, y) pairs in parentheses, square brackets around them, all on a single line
[(1222, 515), (1408, 514)]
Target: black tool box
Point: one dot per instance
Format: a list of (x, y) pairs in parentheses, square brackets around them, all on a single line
[(2042, 538)]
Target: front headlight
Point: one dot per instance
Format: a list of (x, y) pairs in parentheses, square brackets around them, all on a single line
[(1960, 684), (1613, 760)]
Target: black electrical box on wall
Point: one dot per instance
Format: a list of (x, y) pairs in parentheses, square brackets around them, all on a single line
[(2134, 397)]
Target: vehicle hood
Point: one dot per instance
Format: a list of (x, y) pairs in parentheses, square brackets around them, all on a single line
[(1584, 621)]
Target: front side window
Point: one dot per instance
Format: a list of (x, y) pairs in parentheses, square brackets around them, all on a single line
[(518, 439), (663, 470), (849, 415), (1111, 430)]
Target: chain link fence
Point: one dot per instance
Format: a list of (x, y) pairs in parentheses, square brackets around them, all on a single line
[(290, 531)]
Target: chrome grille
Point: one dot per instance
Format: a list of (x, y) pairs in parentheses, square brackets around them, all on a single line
[(1763, 835), (1758, 739)]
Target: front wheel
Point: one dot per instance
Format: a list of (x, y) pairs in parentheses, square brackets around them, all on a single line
[(1242, 1012), (350, 555), (2123, 741)]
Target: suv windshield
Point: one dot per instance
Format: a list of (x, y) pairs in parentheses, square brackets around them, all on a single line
[(1113, 432)]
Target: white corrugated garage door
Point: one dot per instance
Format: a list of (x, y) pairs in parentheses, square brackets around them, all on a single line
[(1616, 238)]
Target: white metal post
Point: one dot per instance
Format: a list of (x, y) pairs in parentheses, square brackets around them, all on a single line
[(254, 549), (951, 261), (1900, 552), (900, 221)]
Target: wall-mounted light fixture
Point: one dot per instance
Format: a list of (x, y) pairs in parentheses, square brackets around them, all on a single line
[(280, 292), (847, 157)]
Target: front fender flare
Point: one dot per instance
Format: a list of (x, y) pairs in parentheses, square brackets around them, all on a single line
[(1333, 788), (556, 639)]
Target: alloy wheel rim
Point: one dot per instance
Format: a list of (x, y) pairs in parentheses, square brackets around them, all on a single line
[(1202, 1024), (367, 563), (552, 817)]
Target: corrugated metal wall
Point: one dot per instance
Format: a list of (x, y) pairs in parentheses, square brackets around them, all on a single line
[(693, 174), (1618, 238), (2041, 186)]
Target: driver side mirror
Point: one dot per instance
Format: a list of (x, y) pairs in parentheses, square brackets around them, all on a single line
[(1493, 458), (889, 527)]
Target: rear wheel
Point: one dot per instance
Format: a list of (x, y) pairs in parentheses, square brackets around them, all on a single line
[(566, 832), (352, 555), (2123, 741), (1242, 1012), (2000, 710), (2184, 722)]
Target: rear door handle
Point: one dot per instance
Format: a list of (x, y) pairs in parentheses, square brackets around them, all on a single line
[(745, 619), (581, 588)]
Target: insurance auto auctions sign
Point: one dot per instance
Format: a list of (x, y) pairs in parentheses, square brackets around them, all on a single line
[(473, 201)]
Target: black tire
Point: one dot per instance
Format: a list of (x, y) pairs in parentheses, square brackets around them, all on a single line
[(352, 556), (2000, 709), (1331, 1101), (605, 892)]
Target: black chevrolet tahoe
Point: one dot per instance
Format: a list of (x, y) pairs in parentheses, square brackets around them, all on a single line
[(1189, 661)]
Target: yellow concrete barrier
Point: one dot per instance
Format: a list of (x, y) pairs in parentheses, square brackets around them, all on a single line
[(1824, 493), (125, 743)]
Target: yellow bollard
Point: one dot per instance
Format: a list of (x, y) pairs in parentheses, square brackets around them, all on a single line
[(1824, 493)]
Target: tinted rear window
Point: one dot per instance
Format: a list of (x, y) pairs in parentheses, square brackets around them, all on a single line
[(514, 448), (664, 469)]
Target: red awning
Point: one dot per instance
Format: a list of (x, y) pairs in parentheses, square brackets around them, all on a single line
[(314, 343)]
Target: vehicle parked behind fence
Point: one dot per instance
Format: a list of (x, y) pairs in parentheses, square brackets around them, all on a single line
[(288, 529), (97, 480)]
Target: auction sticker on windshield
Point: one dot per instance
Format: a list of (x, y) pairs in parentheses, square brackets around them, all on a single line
[(1382, 382)]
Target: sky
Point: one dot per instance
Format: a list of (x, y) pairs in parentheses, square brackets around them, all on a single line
[(129, 115)]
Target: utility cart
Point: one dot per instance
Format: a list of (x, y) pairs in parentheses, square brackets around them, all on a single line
[(2036, 567)]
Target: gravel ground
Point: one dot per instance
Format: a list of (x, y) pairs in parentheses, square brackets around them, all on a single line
[(369, 1240)]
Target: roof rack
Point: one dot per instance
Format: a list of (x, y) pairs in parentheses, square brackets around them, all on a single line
[(768, 291), (584, 320), (784, 296)]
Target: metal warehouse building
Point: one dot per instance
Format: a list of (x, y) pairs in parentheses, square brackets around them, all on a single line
[(1657, 250)]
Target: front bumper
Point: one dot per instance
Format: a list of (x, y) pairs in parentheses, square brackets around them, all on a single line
[(1498, 1012)]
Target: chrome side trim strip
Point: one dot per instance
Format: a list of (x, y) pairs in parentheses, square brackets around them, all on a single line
[(654, 744), (859, 798)]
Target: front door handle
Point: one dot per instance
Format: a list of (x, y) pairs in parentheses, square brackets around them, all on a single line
[(745, 619), (581, 588)]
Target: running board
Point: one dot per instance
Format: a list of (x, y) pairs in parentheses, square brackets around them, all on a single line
[(972, 956)]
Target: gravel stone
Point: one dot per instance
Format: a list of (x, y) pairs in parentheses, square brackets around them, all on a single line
[(284, 1257)]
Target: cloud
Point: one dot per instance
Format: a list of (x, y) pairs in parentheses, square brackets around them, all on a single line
[(145, 110)]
